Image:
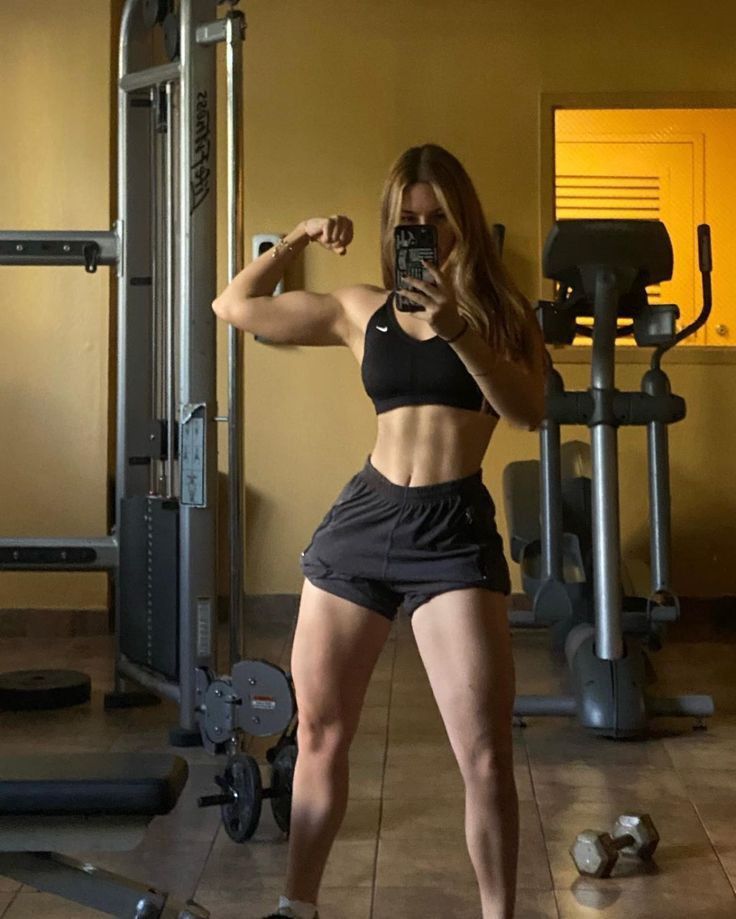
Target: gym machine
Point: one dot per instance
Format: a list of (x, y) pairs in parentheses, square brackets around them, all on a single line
[(564, 526), (161, 548)]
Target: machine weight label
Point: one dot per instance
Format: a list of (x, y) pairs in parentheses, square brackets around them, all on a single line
[(193, 452), (204, 627)]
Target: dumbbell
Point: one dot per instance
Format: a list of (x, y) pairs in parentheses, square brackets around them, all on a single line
[(595, 854)]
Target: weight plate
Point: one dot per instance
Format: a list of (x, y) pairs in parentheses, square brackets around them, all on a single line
[(243, 780), (171, 36), (282, 782), (268, 701), (22, 690)]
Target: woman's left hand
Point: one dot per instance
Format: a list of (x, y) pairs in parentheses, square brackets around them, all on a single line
[(437, 300)]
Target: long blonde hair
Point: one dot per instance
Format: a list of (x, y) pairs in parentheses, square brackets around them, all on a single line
[(486, 294)]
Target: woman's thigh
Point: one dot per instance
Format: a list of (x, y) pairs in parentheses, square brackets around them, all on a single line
[(335, 649), (464, 640)]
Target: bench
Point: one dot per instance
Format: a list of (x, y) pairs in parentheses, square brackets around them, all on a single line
[(53, 804)]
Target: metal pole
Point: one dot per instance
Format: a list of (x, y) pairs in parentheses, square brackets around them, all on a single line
[(170, 338), (655, 383), (235, 35), (604, 447), (550, 487), (197, 392), (158, 337)]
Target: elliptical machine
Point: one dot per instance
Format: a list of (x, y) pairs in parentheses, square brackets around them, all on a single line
[(567, 538)]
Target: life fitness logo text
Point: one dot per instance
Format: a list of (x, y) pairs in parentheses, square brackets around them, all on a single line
[(200, 170)]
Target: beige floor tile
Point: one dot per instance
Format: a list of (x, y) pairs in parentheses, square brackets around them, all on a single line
[(407, 818), (366, 779), (370, 745), (351, 864), (688, 902), (533, 867), (5, 900), (379, 691), (427, 821), (458, 903), (362, 821), (419, 776), (569, 743), (236, 869), (418, 902), (373, 720), (676, 820), (583, 782), (706, 751), (535, 904), (425, 860), (710, 786), (719, 820), (411, 723), (728, 861), (8, 885), (426, 767), (414, 691), (261, 863), (345, 903)]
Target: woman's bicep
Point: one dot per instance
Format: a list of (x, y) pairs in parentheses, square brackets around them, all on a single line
[(297, 317)]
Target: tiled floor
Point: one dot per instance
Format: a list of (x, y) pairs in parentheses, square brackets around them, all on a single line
[(401, 851)]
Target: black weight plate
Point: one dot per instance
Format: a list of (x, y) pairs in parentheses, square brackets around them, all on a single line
[(154, 11), (22, 690), (282, 781), (171, 36), (243, 779)]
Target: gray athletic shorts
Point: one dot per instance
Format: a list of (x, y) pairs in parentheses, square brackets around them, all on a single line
[(383, 545)]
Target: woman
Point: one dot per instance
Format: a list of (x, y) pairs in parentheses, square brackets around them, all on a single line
[(416, 525)]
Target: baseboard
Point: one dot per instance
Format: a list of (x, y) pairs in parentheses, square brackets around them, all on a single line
[(701, 618), (74, 623)]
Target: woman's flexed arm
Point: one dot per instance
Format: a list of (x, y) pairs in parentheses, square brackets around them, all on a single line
[(296, 317)]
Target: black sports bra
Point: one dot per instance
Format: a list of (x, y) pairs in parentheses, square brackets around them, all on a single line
[(400, 370)]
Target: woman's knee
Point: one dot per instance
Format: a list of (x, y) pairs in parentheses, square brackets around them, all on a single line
[(487, 764), (331, 737)]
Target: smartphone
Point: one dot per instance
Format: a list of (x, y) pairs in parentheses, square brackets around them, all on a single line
[(411, 245)]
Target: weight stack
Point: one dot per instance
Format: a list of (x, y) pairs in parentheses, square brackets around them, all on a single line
[(149, 583)]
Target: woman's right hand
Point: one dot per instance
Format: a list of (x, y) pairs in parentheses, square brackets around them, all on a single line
[(334, 233)]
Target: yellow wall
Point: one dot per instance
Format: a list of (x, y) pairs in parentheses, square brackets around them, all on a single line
[(333, 93), (55, 150)]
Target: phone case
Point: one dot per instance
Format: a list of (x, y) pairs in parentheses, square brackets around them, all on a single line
[(411, 245)]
